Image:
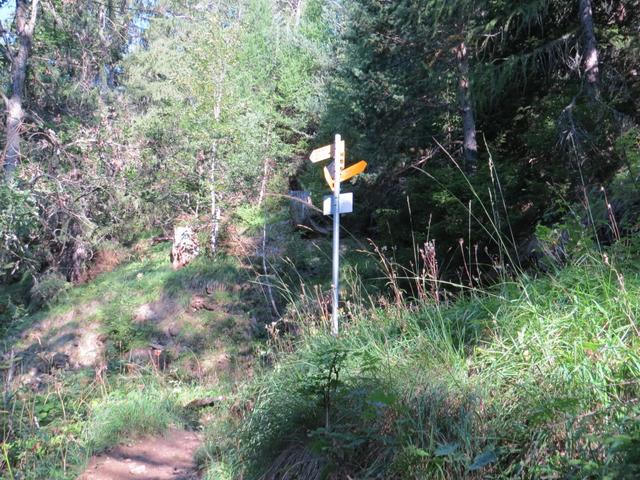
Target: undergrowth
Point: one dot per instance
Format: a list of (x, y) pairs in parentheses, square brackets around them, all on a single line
[(141, 411), (534, 378), (49, 429)]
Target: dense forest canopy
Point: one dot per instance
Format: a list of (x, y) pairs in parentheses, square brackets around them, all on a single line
[(124, 116)]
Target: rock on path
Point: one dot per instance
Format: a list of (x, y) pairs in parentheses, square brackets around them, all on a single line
[(168, 457)]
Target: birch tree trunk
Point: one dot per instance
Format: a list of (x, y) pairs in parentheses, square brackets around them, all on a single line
[(590, 45), (470, 144), (263, 183), (298, 14), (215, 208), (25, 25)]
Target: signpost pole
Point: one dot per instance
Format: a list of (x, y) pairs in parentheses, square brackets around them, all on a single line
[(340, 172), (337, 157)]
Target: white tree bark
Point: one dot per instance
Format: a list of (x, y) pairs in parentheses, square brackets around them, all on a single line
[(215, 208), (263, 183), (298, 14), (25, 25)]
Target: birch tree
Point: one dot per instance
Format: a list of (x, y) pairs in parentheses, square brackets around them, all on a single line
[(18, 55)]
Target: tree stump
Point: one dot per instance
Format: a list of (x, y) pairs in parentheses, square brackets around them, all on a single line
[(301, 211), (185, 247)]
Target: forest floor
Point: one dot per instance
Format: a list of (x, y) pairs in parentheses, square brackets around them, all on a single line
[(167, 457), (119, 377)]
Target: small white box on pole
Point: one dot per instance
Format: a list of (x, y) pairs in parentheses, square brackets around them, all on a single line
[(346, 203)]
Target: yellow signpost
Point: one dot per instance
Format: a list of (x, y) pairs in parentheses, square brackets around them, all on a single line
[(333, 179), (328, 178), (346, 174)]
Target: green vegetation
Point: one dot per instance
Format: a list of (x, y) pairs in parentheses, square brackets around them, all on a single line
[(56, 427), (136, 412), (490, 271), (532, 378)]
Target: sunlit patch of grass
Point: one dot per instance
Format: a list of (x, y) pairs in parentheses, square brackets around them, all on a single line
[(120, 415), (82, 412), (120, 292)]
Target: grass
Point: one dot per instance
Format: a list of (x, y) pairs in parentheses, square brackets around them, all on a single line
[(536, 378), (51, 432), (120, 414), (117, 294)]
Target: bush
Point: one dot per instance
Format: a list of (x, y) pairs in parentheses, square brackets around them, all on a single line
[(18, 231), (47, 289)]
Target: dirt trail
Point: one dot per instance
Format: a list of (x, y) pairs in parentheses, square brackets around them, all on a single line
[(168, 457)]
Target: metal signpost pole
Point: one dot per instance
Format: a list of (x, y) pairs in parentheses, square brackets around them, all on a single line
[(337, 154), (331, 205)]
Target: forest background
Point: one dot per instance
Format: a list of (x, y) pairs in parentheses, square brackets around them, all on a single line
[(130, 116), (502, 138)]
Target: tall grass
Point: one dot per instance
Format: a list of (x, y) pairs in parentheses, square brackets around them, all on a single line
[(532, 379), (113, 418)]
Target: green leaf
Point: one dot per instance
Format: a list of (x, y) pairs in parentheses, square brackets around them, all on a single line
[(420, 452)]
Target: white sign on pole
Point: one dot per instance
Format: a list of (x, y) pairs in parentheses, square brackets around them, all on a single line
[(346, 203)]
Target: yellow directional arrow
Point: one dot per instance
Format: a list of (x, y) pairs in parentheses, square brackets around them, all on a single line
[(328, 178), (346, 174), (326, 152), (353, 170)]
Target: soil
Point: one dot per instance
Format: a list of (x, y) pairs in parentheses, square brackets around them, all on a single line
[(68, 341), (168, 457)]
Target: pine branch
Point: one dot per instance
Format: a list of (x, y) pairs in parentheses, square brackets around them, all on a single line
[(515, 70)]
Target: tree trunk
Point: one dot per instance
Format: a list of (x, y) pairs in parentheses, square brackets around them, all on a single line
[(590, 45), (298, 14), (215, 208), (24, 31), (185, 247), (300, 202), (263, 183), (301, 210), (470, 144)]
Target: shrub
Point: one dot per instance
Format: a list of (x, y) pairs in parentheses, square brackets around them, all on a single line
[(47, 289), (18, 230)]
